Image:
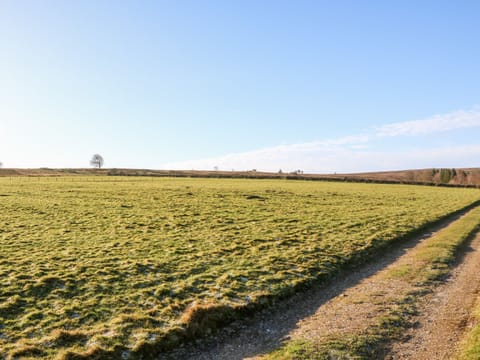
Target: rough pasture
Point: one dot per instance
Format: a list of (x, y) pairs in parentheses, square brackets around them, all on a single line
[(129, 265)]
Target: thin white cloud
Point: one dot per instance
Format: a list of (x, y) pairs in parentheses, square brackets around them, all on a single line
[(455, 120), (356, 153), (342, 160)]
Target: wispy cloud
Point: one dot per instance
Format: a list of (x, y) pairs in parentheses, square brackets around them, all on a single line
[(355, 153), (444, 122)]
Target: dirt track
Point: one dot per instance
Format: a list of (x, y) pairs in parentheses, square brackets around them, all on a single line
[(340, 307), (444, 314)]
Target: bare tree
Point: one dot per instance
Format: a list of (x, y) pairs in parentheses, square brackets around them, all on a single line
[(97, 161), (1, 164)]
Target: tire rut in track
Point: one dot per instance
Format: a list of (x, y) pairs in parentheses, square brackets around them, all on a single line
[(445, 314)]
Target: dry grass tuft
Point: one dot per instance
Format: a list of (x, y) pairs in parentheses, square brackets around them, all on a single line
[(204, 318), (63, 338), (26, 351)]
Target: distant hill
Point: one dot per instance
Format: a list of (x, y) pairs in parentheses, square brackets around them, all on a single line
[(459, 176), (443, 176)]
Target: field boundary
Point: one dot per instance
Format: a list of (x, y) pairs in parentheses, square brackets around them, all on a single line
[(114, 172)]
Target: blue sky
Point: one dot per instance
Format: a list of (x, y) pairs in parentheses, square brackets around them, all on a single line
[(312, 85)]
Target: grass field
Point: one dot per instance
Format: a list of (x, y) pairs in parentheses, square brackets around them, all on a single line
[(126, 266)]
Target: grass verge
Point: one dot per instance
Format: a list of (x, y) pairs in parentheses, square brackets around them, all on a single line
[(428, 264), (469, 348)]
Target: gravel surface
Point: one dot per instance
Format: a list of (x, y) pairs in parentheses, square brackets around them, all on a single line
[(444, 315)]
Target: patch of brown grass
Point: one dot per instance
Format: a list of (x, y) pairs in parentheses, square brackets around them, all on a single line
[(203, 318), (26, 351)]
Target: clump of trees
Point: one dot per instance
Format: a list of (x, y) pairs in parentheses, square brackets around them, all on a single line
[(97, 161), (444, 175)]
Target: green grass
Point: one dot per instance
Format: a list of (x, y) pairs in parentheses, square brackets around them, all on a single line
[(429, 263), (127, 266), (469, 348)]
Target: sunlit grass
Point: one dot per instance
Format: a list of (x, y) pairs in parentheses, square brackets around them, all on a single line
[(113, 263)]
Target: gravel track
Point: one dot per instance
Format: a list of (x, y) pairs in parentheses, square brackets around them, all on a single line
[(445, 314)]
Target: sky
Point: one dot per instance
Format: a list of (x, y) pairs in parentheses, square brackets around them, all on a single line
[(320, 86)]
